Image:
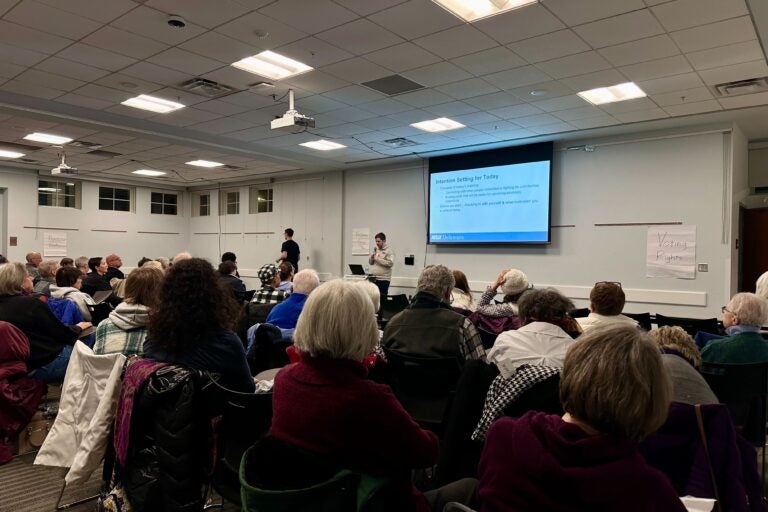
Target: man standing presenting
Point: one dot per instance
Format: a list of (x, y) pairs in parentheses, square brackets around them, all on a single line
[(290, 250), (381, 262), (113, 268)]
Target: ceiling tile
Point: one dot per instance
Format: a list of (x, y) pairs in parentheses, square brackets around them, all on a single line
[(543, 91), (489, 61), (549, 46), (517, 77), (225, 125), (726, 55), (126, 43), (402, 57), (248, 99), (356, 70), (746, 100), (722, 33), (96, 57), (366, 7), (218, 46), (620, 29), (573, 65), (641, 115), (579, 113), (437, 74), (457, 41), (184, 117), (415, 18), (651, 48), (467, 88), (519, 24), (657, 68), (311, 17), (385, 107), (622, 107), (515, 111), (424, 98), (153, 24), (693, 108), (561, 103), (183, 97), (583, 11), (31, 39), (9, 70), (671, 83), (252, 27), (52, 81), (476, 118), (494, 101), (319, 104), (594, 80), (496, 126), (594, 122), (734, 72), (28, 89), (682, 14), (380, 123), (20, 56), (71, 69), (681, 97), (221, 107), (354, 95), (103, 93), (316, 82), (352, 114), (453, 108), (184, 61), (50, 20), (552, 128), (536, 120), (151, 72), (232, 77), (203, 12), (362, 35), (314, 52), (99, 11), (129, 84)]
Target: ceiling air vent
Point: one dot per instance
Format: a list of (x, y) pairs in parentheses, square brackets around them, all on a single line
[(85, 144), (393, 84), (207, 88), (105, 154), (400, 142), (742, 87), (232, 167)]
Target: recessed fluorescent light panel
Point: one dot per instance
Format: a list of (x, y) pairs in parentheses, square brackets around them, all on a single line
[(442, 124), (322, 145), (612, 94), (272, 65), (472, 10), (148, 172), (152, 104), (47, 138), (204, 163), (10, 154)]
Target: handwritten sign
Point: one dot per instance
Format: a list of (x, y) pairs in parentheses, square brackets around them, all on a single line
[(361, 240), (54, 244), (671, 252)]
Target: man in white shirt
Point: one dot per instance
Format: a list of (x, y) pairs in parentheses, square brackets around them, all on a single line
[(606, 302)]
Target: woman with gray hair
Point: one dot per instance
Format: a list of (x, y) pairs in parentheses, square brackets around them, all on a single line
[(742, 318), (325, 405), (513, 284)]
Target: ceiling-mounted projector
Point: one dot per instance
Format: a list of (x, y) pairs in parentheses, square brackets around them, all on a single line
[(63, 168), (292, 121)]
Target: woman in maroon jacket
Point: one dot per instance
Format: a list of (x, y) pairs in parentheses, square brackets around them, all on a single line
[(615, 392), (325, 405)]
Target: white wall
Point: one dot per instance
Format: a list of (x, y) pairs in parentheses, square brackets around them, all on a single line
[(131, 234), (678, 179)]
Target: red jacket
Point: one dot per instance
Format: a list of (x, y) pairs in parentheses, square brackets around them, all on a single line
[(328, 407), (540, 462)]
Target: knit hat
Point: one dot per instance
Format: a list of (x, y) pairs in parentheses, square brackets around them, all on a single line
[(515, 281), (267, 273)]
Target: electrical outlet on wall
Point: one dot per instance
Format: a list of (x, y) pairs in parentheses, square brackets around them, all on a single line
[(702, 267)]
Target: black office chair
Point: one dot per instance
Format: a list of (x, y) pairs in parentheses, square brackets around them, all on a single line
[(744, 389), (579, 313), (644, 319), (690, 325), (263, 353), (424, 386), (253, 313), (392, 305)]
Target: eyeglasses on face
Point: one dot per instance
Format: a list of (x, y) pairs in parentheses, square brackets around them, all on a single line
[(725, 309), (615, 283)]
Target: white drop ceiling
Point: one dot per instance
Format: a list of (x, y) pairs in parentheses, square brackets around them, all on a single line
[(65, 67)]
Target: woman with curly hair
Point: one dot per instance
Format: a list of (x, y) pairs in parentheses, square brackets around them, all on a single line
[(192, 324)]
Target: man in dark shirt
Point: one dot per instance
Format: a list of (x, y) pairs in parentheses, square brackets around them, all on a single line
[(290, 250), (113, 268)]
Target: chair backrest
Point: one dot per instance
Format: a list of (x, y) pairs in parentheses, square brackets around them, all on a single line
[(424, 385), (579, 313), (644, 319), (690, 325), (99, 312), (744, 389), (490, 327), (249, 295), (392, 305)]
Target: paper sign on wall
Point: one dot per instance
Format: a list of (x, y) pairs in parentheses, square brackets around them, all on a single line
[(54, 244), (360, 241), (671, 252)]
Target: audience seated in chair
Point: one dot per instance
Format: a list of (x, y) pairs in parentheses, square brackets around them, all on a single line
[(513, 284), (270, 280), (325, 405), (285, 314), (96, 281), (229, 280), (606, 302), (46, 277), (285, 272), (126, 327), (68, 284), (191, 325), (428, 327), (461, 295), (544, 337), (682, 359), (742, 318), (615, 392)]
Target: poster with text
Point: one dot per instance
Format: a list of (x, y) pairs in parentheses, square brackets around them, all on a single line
[(54, 244), (361, 241), (671, 252)]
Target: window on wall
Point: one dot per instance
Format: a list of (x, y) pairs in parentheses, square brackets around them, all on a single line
[(164, 203), (65, 194), (260, 200), (115, 198), (229, 202), (201, 204)]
